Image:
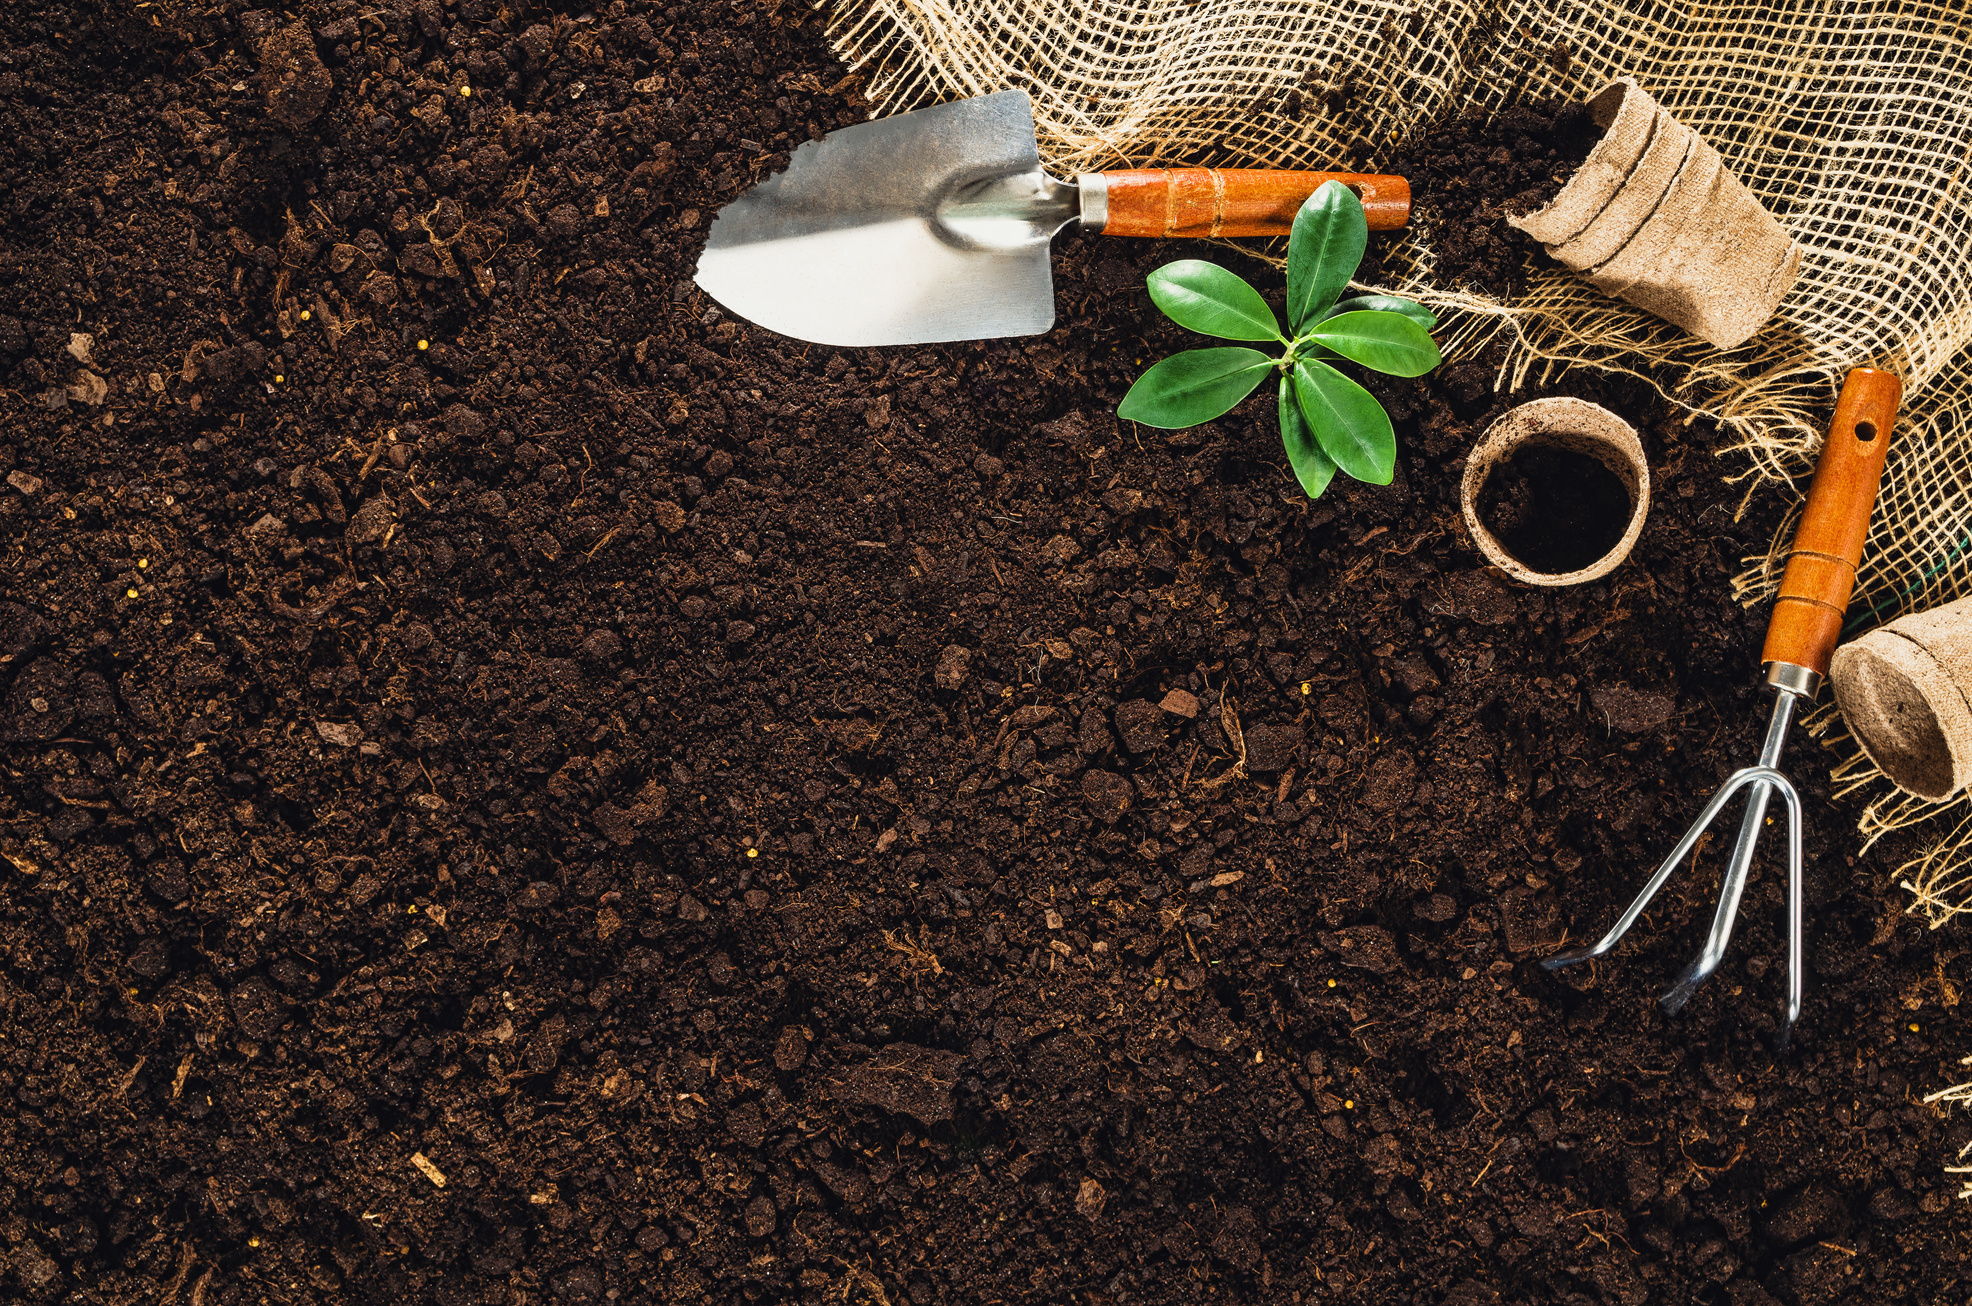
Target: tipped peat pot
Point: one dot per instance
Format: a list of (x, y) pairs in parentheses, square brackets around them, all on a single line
[(1564, 427), (1653, 216), (1904, 691)]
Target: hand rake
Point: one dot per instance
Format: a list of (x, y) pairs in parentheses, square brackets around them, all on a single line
[(1801, 636)]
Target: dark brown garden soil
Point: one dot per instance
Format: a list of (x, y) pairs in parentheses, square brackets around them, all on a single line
[(522, 789), (1556, 510)]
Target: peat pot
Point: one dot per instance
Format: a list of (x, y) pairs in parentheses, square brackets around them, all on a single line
[(1571, 426), (1653, 216), (1903, 688)]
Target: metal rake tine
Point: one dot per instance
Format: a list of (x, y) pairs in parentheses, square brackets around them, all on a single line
[(1765, 781), (1629, 918), (1797, 927)]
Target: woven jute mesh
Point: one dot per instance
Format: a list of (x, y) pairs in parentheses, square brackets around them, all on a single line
[(1851, 122)]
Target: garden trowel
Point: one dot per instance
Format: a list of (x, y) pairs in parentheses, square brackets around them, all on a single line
[(935, 225)]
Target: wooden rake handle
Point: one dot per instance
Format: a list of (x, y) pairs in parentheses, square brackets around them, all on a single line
[(1238, 201), (1821, 568)]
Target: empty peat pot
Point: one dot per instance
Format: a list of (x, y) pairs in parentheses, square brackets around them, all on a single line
[(1903, 690), (1556, 491), (1653, 216)]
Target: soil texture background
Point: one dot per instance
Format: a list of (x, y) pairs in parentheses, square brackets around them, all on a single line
[(520, 788)]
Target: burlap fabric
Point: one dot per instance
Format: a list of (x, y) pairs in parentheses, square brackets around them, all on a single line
[(1850, 123)]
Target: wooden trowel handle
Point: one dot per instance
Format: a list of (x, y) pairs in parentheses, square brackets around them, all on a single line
[(1821, 568), (1238, 201)]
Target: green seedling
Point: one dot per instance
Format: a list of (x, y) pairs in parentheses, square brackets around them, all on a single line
[(1326, 420)]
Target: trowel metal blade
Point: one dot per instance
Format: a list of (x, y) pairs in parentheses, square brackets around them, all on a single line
[(922, 227)]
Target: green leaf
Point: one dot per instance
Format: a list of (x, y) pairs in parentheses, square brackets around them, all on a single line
[(1313, 468), (1195, 386), (1212, 301), (1329, 236), (1387, 342), (1352, 427), (1410, 308)]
